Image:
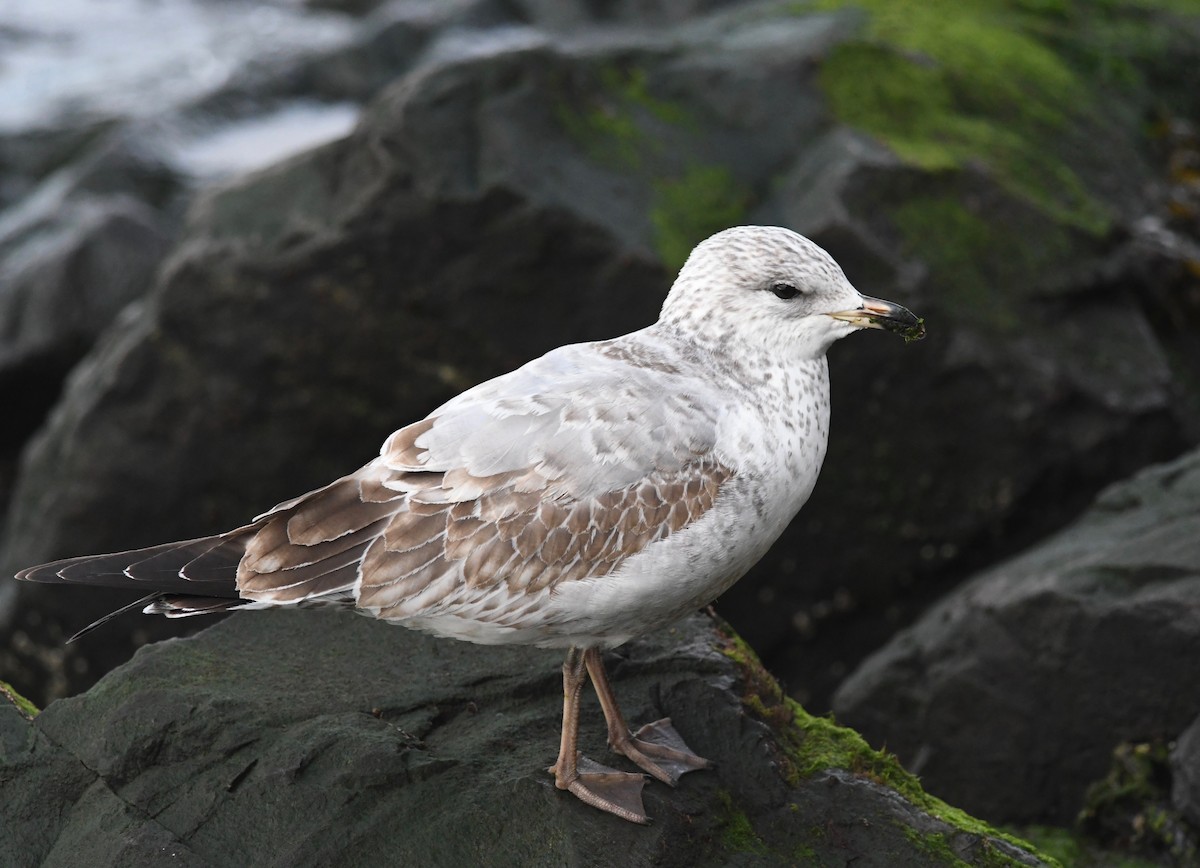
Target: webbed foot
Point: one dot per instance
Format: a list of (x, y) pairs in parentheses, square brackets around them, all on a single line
[(659, 750), (619, 793)]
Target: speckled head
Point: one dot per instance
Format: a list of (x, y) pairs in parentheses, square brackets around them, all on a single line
[(766, 287)]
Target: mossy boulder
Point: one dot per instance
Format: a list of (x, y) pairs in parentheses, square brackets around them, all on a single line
[(530, 186), (324, 739), (1010, 696)]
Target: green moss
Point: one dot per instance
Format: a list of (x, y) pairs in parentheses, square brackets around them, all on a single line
[(632, 87), (810, 745), (1130, 809), (946, 84), (687, 209), (972, 256), (925, 219), (1059, 843), (1069, 848), (607, 136), (23, 705), (803, 855), (620, 124), (737, 832), (934, 846), (959, 246), (613, 121)]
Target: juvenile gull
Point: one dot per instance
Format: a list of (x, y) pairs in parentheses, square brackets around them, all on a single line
[(597, 493)]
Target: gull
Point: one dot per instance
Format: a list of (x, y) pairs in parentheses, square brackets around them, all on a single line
[(595, 494)]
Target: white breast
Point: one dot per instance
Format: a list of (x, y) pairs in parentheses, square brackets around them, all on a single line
[(773, 436)]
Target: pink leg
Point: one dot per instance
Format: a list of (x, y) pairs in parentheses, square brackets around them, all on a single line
[(604, 788), (655, 748)]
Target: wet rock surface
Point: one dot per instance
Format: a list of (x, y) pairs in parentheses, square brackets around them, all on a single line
[(221, 323), (540, 188), (1056, 657), (326, 739), (1185, 774)]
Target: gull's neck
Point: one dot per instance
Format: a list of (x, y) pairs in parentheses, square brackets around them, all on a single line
[(753, 366)]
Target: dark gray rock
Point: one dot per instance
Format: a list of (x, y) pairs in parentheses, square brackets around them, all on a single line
[(1130, 810), (390, 40), (79, 247), (72, 274), (341, 294), (1009, 696), (1185, 774), (316, 738), (540, 188), (75, 252), (83, 242), (28, 157)]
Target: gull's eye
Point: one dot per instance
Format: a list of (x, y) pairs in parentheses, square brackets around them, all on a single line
[(785, 290)]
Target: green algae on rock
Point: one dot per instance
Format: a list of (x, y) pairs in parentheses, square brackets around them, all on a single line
[(1001, 84), (1130, 809), (1038, 100), (621, 124), (171, 752), (704, 199), (809, 745), (23, 705)]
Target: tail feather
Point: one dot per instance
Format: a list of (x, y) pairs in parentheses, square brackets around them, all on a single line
[(199, 562), (205, 566), (180, 606), (304, 552), (99, 622), (169, 605)]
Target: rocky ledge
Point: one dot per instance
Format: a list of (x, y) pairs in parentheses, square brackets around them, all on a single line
[(1063, 680), (315, 738)]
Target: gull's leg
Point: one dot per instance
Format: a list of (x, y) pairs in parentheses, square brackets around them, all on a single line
[(656, 748), (604, 788)]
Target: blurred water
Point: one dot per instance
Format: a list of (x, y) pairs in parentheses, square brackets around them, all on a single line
[(135, 58), (260, 141)]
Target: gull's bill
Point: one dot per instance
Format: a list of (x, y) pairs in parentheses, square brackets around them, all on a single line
[(875, 313)]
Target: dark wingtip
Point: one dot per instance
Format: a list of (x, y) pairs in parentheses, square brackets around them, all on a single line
[(28, 574)]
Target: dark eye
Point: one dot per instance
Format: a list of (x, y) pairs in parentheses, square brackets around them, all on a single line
[(785, 290)]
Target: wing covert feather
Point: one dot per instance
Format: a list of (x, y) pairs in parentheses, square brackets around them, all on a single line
[(558, 471)]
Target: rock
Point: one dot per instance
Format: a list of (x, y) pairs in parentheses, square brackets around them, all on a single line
[(391, 40), (1009, 696), (541, 187), (72, 275), (29, 156), (324, 739), (1185, 774), (1129, 810), (342, 293), (1018, 287), (74, 253), (88, 201)]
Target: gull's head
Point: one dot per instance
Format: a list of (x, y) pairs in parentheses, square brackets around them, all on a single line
[(768, 286)]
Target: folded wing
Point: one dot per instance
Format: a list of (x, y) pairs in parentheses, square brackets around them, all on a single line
[(558, 471)]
